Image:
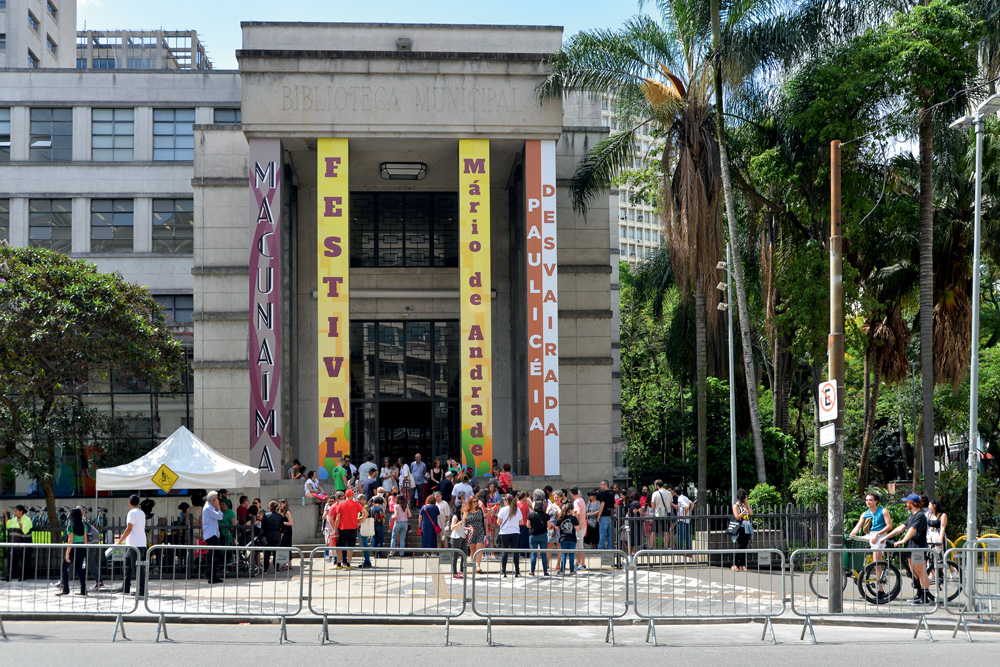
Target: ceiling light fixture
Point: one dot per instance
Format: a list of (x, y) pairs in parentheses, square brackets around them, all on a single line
[(403, 171)]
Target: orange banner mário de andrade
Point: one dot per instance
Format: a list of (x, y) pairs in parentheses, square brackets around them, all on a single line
[(333, 304), (477, 333), (543, 308)]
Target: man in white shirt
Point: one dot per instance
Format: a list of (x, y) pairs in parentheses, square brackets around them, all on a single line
[(462, 487), (210, 517), (134, 535), (418, 469), (366, 467), (684, 505), (444, 518), (662, 503), (580, 508)]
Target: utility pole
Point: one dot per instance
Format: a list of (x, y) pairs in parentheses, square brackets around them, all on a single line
[(835, 460)]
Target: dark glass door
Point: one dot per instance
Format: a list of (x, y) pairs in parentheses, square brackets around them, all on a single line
[(404, 429)]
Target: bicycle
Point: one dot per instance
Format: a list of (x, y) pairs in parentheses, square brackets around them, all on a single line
[(878, 582)]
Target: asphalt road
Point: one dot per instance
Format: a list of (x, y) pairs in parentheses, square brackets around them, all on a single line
[(49, 643)]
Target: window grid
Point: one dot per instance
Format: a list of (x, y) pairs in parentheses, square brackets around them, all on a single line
[(50, 45), (395, 229), (111, 225), (32, 60), (227, 116), (52, 10), (113, 134), (32, 21), (4, 220), (178, 308), (51, 135), (5, 135), (173, 134), (50, 224), (173, 226)]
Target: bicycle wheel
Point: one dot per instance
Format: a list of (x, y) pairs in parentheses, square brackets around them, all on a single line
[(819, 580), (879, 582), (951, 571)]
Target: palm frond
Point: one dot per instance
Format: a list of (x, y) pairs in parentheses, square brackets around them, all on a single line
[(599, 167)]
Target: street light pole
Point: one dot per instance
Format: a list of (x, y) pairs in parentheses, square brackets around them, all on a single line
[(978, 121)]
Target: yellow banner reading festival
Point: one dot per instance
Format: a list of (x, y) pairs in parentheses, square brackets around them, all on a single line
[(332, 221), (477, 338)]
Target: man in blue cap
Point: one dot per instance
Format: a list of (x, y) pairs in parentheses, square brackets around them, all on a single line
[(915, 538)]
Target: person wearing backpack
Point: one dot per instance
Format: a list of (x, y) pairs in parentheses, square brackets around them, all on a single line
[(506, 480), (509, 533), (661, 502), (538, 535)]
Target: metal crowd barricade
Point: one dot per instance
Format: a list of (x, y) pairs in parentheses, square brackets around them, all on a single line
[(972, 591), (600, 590), (686, 584), (255, 581), (32, 572), (870, 589), (421, 585)]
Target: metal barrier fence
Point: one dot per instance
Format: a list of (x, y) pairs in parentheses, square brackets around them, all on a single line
[(978, 592), (684, 584), (777, 528), (877, 588), (428, 584), (227, 581), (40, 581), (544, 590)]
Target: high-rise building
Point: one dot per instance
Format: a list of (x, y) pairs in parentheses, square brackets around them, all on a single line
[(640, 227), (140, 49), (37, 34)]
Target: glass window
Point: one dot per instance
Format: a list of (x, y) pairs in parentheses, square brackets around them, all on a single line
[(227, 116), (3, 41), (50, 224), (32, 21), (4, 220), (51, 135), (173, 134), (631, 233), (81, 63), (622, 229), (404, 229), (32, 60), (5, 135), (173, 226), (51, 46), (52, 9), (113, 133), (178, 308), (111, 225)]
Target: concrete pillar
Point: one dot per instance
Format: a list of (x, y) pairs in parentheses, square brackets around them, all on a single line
[(142, 221), (19, 221), (20, 133), (82, 130), (143, 134), (81, 225)]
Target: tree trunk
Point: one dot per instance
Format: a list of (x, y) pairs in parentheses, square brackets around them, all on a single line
[(927, 298), (918, 452), (701, 347), (55, 531), (737, 261), (902, 441), (778, 385), (866, 443)]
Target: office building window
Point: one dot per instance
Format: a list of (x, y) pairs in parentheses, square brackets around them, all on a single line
[(111, 225), (32, 60), (173, 226), (4, 220), (404, 229), (178, 308), (52, 10), (5, 135), (622, 229), (81, 63), (173, 134), (50, 224), (32, 21), (227, 116), (3, 41), (113, 134), (51, 135), (51, 46)]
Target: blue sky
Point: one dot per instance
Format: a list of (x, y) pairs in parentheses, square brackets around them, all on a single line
[(218, 21)]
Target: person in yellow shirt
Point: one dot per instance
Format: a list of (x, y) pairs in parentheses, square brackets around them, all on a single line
[(18, 530)]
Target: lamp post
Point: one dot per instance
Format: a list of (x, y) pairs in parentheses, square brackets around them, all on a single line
[(978, 121), (727, 289)]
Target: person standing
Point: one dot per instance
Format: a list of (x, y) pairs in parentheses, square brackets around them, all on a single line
[(366, 467), (475, 521), (405, 479), (506, 480), (419, 471), (400, 522), (567, 524), (376, 510), (370, 483), (538, 535), (661, 502), (683, 506), (524, 508), (462, 486), (592, 536), (435, 476), (429, 526), (18, 531), (509, 533), (915, 538), (339, 475), (580, 510), (286, 530), (607, 499), (457, 541), (742, 511), (211, 514), (76, 533), (446, 487), (134, 535), (345, 527), (444, 518)]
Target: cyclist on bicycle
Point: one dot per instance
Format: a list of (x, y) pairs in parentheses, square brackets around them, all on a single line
[(875, 522), (916, 536)]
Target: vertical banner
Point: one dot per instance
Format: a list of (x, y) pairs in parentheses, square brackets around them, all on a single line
[(543, 308), (265, 325), (333, 306), (477, 333)]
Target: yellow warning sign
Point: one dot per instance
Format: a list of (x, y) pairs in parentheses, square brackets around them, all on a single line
[(165, 478)]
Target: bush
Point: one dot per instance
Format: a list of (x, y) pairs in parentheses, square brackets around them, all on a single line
[(808, 490), (764, 495)]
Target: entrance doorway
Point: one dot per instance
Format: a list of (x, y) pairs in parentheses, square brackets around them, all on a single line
[(404, 428)]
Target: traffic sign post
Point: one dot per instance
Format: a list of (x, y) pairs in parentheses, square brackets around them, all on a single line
[(827, 401)]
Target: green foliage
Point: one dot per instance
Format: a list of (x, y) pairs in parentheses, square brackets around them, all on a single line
[(807, 490), (65, 324), (764, 495)]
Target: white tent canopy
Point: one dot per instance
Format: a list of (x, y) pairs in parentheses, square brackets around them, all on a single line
[(197, 466)]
